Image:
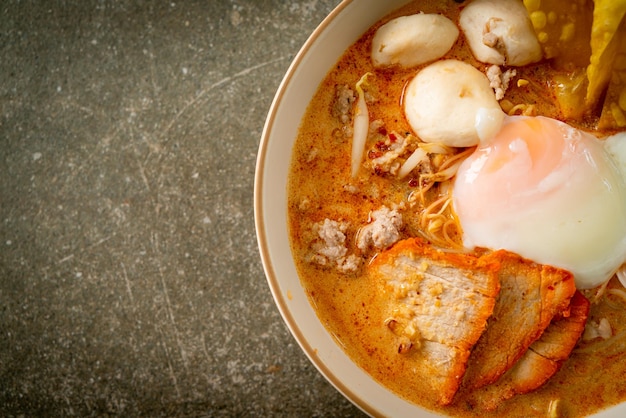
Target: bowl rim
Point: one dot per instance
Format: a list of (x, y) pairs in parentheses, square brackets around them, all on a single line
[(261, 232)]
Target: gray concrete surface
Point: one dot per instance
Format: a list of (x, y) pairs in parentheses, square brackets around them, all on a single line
[(130, 281)]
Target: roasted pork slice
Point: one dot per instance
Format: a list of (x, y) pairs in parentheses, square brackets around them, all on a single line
[(541, 361), (560, 338), (531, 295), (440, 303)]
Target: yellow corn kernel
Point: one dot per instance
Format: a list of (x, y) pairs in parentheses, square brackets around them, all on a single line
[(532, 5), (567, 32), (605, 35), (539, 19), (521, 82), (552, 17), (542, 37)]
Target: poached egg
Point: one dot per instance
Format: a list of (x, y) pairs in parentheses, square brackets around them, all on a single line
[(549, 192)]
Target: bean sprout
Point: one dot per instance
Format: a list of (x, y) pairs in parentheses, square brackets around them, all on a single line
[(360, 127)]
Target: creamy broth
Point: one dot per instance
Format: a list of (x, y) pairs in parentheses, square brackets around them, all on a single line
[(352, 306)]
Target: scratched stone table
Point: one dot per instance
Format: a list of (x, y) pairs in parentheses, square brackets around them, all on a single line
[(130, 282)]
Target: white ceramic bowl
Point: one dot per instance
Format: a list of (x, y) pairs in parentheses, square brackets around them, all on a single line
[(334, 35)]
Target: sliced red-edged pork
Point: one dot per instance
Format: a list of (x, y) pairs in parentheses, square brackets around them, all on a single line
[(542, 360), (531, 295), (440, 305)]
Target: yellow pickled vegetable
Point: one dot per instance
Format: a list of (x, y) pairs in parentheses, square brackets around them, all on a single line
[(614, 108), (605, 43)]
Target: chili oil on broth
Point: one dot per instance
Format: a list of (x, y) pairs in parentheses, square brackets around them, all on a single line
[(351, 306)]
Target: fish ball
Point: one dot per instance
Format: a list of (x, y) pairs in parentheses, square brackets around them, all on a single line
[(413, 40), (445, 100), (500, 32)]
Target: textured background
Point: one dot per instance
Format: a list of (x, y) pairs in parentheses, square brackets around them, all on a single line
[(130, 281)]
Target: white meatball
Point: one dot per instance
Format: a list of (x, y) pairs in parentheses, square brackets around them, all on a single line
[(500, 32), (413, 40), (446, 101)]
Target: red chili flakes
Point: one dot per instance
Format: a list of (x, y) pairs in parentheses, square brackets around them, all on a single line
[(414, 182), (382, 130), (372, 154), (393, 137), (382, 146)]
